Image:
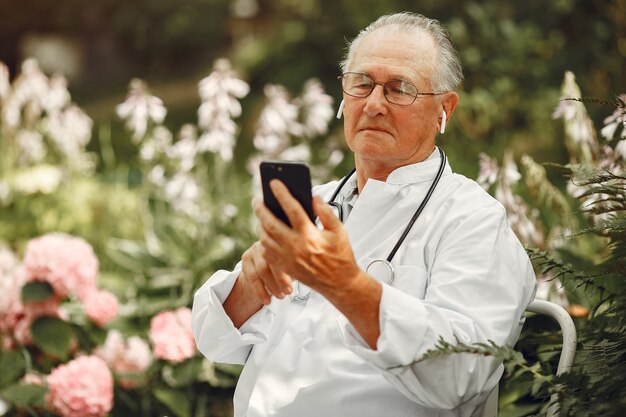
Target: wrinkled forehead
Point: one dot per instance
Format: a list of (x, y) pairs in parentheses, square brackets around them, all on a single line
[(408, 50)]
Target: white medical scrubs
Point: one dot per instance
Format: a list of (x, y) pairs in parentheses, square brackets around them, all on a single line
[(461, 274)]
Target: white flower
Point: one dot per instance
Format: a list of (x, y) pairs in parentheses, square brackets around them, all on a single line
[(219, 142), (183, 192), (185, 149), (30, 90), (509, 167), (620, 148), (611, 159), (140, 109), (219, 93), (5, 84), (229, 211), (31, 147), (612, 122), (269, 142), (157, 144), (157, 175), (300, 152), (227, 244), (278, 120), (488, 172), (43, 179), (317, 108), (335, 157), (70, 130), (58, 96), (524, 222), (579, 132)]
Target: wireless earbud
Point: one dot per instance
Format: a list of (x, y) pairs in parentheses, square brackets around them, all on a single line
[(443, 122), (340, 111)]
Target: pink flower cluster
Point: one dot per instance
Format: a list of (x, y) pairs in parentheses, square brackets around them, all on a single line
[(81, 388), (10, 286), (15, 317), (66, 262), (70, 266), (172, 336), (101, 306), (127, 358)]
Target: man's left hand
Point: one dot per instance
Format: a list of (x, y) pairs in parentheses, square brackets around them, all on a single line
[(320, 259)]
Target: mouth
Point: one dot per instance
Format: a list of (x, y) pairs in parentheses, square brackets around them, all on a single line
[(374, 128)]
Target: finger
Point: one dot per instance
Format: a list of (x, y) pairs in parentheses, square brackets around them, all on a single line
[(325, 214), (260, 233), (292, 207), (275, 284), (284, 279), (270, 223), (248, 272)]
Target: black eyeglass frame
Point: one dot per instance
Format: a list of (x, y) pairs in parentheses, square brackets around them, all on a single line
[(384, 85)]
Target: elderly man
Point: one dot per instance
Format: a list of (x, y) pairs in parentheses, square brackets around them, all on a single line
[(331, 320)]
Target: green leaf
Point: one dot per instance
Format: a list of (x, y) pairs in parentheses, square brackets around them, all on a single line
[(36, 291), (182, 374), (23, 395), (177, 401), (12, 366), (53, 336), (219, 375)]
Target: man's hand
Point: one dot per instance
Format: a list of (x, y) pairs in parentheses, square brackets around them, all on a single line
[(320, 259), (254, 286), (261, 277)]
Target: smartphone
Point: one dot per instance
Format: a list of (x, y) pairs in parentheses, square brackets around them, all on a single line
[(296, 177)]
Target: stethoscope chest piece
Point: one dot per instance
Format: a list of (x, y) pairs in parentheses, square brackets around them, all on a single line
[(382, 270), (299, 294)]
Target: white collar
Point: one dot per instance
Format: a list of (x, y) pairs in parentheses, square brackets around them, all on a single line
[(408, 174)]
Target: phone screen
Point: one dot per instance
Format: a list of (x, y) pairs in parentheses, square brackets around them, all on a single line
[(296, 177)]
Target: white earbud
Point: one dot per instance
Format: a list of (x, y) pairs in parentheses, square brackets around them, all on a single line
[(340, 111), (443, 122)]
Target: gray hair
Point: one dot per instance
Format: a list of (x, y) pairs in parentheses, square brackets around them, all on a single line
[(448, 72)]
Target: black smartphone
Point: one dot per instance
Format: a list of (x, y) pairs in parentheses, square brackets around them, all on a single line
[(296, 177)]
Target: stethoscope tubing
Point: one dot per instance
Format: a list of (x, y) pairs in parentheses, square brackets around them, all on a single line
[(407, 229), (419, 210)]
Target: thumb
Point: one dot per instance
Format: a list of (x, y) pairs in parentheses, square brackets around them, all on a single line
[(325, 214)]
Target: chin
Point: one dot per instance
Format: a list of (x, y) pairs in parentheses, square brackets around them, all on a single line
[(373, 153)]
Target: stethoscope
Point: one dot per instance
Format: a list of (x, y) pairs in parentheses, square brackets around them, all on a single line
[(380, 268)]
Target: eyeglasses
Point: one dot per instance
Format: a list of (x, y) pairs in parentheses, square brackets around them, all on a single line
[(398, 92)]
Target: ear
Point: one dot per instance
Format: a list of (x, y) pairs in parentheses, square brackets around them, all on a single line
[(449, 101)]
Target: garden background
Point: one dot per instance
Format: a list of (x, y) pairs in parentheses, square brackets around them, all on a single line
[(130, 133)]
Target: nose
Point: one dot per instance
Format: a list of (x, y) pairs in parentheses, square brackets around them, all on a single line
[(376, 102)]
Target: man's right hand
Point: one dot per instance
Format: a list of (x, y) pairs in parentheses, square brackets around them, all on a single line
[(254, 287)]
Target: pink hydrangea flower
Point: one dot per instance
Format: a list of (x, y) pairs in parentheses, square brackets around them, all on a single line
[(101, 306), (29, 313), (68, 263), (16, 318), (127, 358), (172, 336), (10, 291), (81, 388)]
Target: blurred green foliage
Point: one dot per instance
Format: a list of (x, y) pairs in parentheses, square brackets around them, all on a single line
[(514, 55)]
